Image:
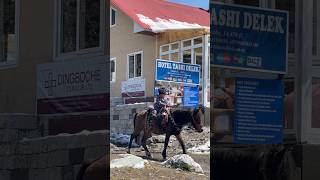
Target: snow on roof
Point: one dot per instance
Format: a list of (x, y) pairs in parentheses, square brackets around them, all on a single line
[(160, 15)]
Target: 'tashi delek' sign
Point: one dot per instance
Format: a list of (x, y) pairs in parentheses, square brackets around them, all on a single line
[(249, 38)]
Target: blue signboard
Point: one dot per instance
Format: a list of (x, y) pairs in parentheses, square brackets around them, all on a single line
[(177, 72), (249, 38), (191, 96), (258, 111)]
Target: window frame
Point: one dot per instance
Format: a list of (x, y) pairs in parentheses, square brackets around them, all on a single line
[(115, 16), (181, 48), (14, 63), (78, 53), (113, 78), (128, 64)]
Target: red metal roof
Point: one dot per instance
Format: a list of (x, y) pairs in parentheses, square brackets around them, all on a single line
[(161, 15)]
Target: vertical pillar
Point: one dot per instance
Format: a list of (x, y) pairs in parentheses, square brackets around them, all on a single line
[(304, 64), (205, 66)]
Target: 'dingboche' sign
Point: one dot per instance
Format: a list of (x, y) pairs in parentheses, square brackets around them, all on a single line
[(177, 72), (249, 38)]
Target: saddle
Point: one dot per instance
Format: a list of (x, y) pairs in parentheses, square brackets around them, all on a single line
[(160, 119)]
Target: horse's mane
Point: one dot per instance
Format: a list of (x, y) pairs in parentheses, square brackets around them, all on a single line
[(182, 116)]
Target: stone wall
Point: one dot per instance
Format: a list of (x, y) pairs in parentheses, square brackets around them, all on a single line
[(26, 153)]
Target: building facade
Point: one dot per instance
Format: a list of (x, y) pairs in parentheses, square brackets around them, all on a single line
[(138, 38)]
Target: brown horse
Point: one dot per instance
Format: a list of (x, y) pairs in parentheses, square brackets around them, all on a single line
[(181, 119)]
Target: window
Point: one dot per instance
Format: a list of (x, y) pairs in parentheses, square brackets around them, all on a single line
[(8, 32), (135, 65), (80, 25), (113, 70), (113, 15), (191, 51)]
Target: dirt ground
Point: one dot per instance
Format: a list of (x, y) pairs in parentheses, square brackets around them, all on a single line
[(157, 171)]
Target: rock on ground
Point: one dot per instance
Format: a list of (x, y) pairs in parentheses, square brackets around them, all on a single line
[(201, 149), (184, 162), (158, 138), (128, 160)]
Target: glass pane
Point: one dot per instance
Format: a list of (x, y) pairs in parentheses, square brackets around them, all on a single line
[(315, 24), (197, 41), (315, 103), (131, 66), (113, 17), (198, 58), (165, 57), (112, 70), (187, 56), (89, 23), (68, 25), (7, 31), (112, 66), (187, 43), (138, 65), (165, 48), (175, 57), (174, 46), (289, 5), (247, 2)]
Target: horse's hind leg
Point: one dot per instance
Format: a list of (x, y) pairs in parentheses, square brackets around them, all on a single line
[(166, 142), (130, 143), (144, 145), (181, 143)]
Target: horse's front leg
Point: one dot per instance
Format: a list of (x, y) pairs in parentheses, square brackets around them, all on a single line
[(166, 142), (144, 145), (130, 143), (178, 136)]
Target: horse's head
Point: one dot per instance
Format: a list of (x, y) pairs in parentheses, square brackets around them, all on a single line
[(197, 118)]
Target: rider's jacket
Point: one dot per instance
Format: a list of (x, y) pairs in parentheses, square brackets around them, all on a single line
[(160, 103)]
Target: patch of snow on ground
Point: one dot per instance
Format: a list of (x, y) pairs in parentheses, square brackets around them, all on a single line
[(128, 160), (161, 25), (201, 149), (183, 162)]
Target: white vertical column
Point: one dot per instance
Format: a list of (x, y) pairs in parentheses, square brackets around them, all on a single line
[(205, 66), (304, 64)]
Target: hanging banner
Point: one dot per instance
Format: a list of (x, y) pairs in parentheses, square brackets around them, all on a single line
[(73, 86), (258, 111), (171, 71), (249, 38)]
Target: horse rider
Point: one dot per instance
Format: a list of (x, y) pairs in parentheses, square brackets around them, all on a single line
[(161, 108)]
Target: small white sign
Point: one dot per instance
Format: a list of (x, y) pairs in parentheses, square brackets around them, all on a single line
[(133, 85)]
